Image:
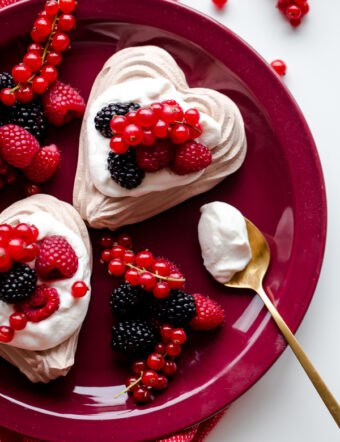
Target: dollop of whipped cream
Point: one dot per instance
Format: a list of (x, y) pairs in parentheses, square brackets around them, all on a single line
[(223, 237), (142, 91), (58, 327)]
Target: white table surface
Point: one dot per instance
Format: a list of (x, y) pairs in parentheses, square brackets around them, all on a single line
[(283, 406)]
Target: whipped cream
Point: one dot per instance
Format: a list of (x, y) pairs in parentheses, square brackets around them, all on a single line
[(143, 91), (67, 319), (223, 236)]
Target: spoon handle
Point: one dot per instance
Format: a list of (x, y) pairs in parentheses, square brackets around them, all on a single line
[(313, 375)]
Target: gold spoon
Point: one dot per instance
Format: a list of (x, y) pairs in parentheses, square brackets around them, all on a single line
[(251, 278)]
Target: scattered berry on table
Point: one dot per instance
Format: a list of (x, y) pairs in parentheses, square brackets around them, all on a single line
[(294, 10), (104, 116), (210, 315), (127, 301), (279, 67), (124, 169), (62, 103), (17, 284), (191, 157), (177, 309), (17, 145), (44, 164), (133, 336), (155, 157), (56, 258), (220, 3), (42, 304)]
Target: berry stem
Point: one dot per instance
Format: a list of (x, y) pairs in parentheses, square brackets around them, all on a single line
[(189, 125), (129, 387), (166, 278)]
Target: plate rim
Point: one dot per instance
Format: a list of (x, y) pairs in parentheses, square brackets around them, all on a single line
[(84, 425)]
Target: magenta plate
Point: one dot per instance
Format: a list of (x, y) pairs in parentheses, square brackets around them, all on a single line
[(280, 188)]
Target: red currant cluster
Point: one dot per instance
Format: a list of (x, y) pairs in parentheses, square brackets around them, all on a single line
[(38, 69), (153, 372), (294, 10), (156, 275), (159, 120), (8, 174)]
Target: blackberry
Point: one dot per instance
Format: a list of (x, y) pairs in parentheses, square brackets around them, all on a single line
[(17, 284), (127, 301), (133, 337), (6, 80), (177, 309), (124, 169), (31, 117), (104, 116)]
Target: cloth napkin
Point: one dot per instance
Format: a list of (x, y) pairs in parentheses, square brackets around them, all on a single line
[(195, 434)]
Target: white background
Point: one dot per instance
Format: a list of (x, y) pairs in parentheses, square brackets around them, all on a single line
[(283, 406)]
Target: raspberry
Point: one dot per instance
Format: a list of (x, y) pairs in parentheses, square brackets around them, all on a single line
[(156, 156), (191, 157), (209, 315), (62, 104), (44, 164), (42, 304), (56, 259), (17, 146)]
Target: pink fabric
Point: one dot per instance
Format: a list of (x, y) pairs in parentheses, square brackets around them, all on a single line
[(196, 434)]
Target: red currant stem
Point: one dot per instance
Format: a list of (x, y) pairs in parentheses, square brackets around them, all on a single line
[(189, 125), (166, 278), (129, 387)]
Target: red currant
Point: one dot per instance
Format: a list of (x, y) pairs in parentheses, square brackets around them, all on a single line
[(141, 395), (133, 134), (132, 380), (105, 256), (50, 73), (39, 84), (304, 7), (124, 240), (6, 230), (170, 102), (175, 282), (146, 117), (118, 124), (118, 145), (178, 336), (170, 368), (79, 289), (155, 361), (35, 48), (24, 231), (33, 61), (144, 259), (172, 113), (129, 257), (36, 37), (147, 280), (132, 277), (106, 242), (3, 240), (161, 290), (219, 3), (173, 349), (131, 116), (295, 22), (31, 252), (60, 42), (149, 378), (42, 26), (25, 94), (16, 248), (179, 133), (8, 97), (161, 129), (149, 138), (279, 67), (161, 267), (52, 7), (293, 11), (32, 189), (157, 108), (67, 5), (195, 131), (192, 116), (66, 22), (166, 331), (160, 348), (35, 232), (6, 333), (4, 257), (18, 321), (138, 367), (161, 384), (116, 267), (54, 58), (118, 251)]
